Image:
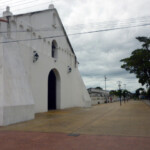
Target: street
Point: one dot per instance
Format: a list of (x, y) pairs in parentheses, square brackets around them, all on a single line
[(104, 126)]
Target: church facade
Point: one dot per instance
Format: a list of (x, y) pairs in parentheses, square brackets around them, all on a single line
[(38, 67)]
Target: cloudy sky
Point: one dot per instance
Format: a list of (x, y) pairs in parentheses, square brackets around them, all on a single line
[(99, 53)]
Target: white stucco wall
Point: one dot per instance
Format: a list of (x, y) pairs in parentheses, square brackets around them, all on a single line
[(1, 82), (16, 100), (26, 83), (17, 92), (72, 90)]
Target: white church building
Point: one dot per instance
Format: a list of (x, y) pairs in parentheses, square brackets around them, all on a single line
[(38, 67)]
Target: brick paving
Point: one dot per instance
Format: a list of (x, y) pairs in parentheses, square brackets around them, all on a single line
[(102, 127), (60, 141)]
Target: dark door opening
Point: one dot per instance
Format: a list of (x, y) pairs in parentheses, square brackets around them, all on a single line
[(51, 91)]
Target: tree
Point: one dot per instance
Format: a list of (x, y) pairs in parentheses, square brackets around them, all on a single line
[(99, 88), (125, 94), (138, 92), (113, 92), (148, 93), (116, 92), (139, 62)]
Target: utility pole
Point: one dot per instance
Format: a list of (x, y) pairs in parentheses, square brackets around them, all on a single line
[(105, 78), (125, 86), (105, 81), (119, 85), (124, 93)]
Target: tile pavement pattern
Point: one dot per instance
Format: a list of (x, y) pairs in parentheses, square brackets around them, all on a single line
[(102, 127)]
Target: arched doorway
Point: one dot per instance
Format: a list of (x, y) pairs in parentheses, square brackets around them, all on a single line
[(53, 90)]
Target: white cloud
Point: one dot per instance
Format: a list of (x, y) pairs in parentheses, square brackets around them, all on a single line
[(100, 53)]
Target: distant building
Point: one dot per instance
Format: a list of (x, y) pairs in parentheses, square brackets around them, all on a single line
[(98, 96)]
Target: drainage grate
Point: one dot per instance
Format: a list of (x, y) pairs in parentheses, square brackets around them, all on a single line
[(74, 134)]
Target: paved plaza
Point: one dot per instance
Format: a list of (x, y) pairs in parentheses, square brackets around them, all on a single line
[(101, 127)]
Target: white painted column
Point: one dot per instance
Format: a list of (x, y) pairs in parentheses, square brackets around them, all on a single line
[(1, 82)]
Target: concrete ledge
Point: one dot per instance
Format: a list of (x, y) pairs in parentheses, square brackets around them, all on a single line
[(87, 104), (14, 114), (147, 102)]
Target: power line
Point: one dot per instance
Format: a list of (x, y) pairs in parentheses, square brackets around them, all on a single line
[(19, 1), (88, 32), (115, 22), (31, 6), (48, 29), (135, 20), (130, 20), (7, 1), (111, 29), (106, 23), (18, 4), (108, 26), (27, 3)]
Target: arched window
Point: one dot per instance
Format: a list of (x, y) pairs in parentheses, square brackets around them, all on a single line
[(54, 49), (54, 20)]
